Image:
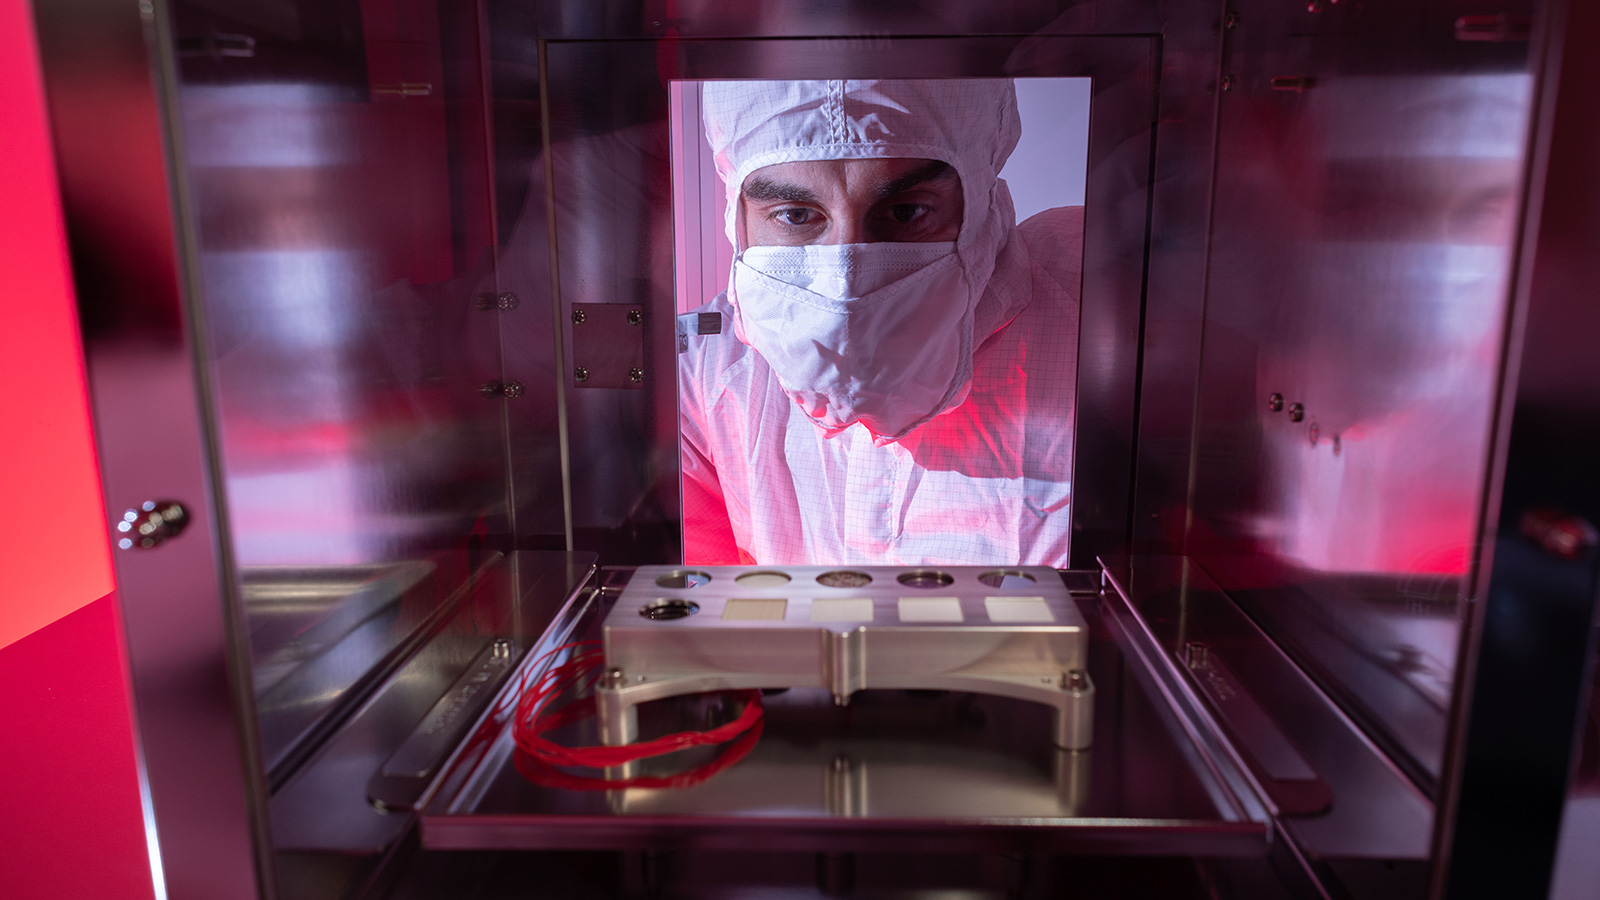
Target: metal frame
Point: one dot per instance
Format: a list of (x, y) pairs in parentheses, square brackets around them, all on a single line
[(1532, 632), (1124, 69), (201, 775)]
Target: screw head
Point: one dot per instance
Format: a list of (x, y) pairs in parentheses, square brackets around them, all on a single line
[(1275, 402), (512, 390), (580, 374), (1227, 83), (579, 317), (1297, 412), (506, 301), (635, 374), (635, 316)]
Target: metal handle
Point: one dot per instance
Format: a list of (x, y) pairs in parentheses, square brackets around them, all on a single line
[(151, 524)]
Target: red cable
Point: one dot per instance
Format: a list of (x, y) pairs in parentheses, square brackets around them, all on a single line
[(533, 718)]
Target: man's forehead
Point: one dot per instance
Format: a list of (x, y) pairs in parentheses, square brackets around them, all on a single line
[(801, 181)]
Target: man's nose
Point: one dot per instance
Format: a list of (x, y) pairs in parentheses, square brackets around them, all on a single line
[(850, 227)]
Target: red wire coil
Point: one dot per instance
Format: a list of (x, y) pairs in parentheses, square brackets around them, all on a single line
[(540, 756)]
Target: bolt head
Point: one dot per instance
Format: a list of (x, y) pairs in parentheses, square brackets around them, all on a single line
[(1297, 412), (635, 375), (1227, 83), (579, 317), (580, 374), (1275, 403), (635, 316), (512, 390)]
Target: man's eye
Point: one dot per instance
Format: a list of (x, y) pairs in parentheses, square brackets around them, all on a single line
[(906, 213), (795, 215)]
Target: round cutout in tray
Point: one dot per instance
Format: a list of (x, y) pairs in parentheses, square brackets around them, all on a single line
[(668, 608), (1007, 578), (682, 578), (844, 578), (762, 579), (925, 578)]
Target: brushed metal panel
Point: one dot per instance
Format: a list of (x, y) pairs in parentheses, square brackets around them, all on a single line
[(1360, 268), (575, 19), (345, 342)]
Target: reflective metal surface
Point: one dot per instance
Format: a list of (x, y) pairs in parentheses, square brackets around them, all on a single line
[(343, 339), (919, 770), (1327, 785), (328, 806), (1360, 267)]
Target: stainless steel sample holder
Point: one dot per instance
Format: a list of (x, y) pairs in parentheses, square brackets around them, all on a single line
[(1013, 632)]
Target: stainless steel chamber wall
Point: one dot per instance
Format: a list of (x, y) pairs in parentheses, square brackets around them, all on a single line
[(339, 266)]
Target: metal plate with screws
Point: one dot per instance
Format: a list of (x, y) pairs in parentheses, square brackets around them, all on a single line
[(608, 345)]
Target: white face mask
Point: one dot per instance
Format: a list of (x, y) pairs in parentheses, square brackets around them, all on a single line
[(879, 334)]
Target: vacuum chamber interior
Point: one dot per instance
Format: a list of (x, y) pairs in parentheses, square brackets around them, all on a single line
[(423, 331)]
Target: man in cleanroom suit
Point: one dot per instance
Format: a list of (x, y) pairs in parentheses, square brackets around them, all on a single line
[(895, 379)]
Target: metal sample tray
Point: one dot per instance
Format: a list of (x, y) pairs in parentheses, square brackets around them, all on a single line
[(930, 770), (1009, 632)]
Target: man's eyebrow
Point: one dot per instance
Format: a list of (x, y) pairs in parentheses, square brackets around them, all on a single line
[(934, 170), (760, 189)]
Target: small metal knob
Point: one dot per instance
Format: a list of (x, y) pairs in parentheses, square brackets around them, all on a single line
[(151, 524)]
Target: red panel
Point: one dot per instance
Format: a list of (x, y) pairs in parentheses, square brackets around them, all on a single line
[(56, 557), (71, 825)]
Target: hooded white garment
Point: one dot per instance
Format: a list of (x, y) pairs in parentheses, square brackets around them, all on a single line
[(984, 476)]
